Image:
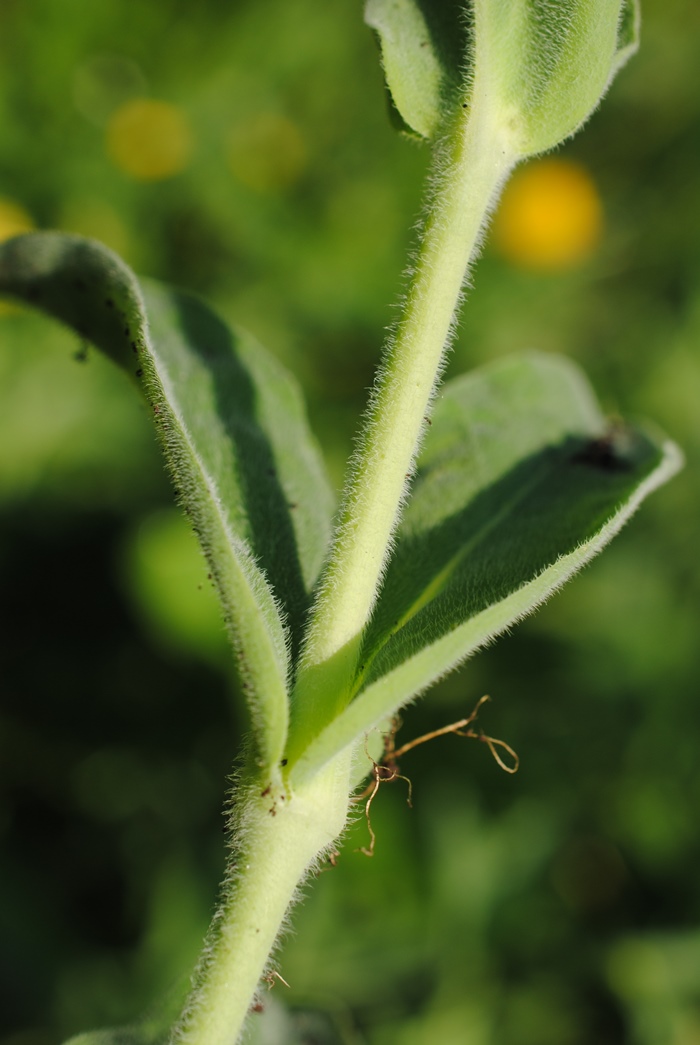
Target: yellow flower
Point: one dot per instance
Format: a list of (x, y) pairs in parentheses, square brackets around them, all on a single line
[(14, 219), (267, 152), (149, 140), (550, 216)]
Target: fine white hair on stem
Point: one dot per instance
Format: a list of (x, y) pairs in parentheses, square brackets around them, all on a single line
[(432, 224)]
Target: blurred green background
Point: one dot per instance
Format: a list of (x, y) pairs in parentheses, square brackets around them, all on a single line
[(242, 150)]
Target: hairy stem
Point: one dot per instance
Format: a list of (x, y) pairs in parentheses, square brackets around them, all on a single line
[(279, 836), (471, 169)]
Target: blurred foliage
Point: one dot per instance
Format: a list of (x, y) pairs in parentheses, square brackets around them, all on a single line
[(243, 151)]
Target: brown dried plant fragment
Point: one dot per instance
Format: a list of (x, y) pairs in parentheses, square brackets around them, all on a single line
[(388, 769)]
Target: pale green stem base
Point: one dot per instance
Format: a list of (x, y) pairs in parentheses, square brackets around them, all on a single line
[(280, 837)]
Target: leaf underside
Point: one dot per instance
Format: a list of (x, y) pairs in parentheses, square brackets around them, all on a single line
[(424, 47), (132, 1035), (539, 68), (519, 484), (234, 431), (246, 413)]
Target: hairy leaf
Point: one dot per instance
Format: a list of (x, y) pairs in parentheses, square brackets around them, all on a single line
[(423, 46), (232, 424), (548, 65), (537, 68), (136, 1035), (520, 483)]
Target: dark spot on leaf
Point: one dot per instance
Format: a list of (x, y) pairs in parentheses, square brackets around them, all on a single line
[(139, 372), (284, 762), (603, 453)]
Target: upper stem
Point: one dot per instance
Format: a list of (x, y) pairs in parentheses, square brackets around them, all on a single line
[(469, 173)]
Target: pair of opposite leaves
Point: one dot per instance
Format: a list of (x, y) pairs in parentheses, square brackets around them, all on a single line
[(509, 499), (517, 486)]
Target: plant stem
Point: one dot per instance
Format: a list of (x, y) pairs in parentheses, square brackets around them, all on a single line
[(279, 835), (471, 169)]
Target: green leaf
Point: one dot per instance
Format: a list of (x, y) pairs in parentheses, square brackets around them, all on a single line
[(520, 483), (628, 33), (545, 66), (136, 1035), (278, 1025), (246, 413), (537, 69), (232, 425), (152, 1029), (423, 47)]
